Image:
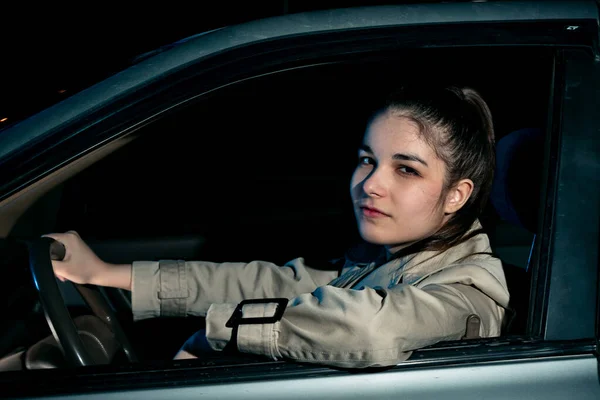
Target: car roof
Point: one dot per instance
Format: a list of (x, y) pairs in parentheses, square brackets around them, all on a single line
[(171, 58)]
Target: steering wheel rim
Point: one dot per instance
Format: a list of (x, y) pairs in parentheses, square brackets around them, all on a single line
[(57, 315)]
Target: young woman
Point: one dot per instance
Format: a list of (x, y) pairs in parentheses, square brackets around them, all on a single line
[(424, 171)]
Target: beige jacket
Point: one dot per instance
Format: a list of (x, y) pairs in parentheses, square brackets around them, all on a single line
[(367, 315)]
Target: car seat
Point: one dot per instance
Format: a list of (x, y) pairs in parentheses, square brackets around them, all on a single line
[(515, 196)]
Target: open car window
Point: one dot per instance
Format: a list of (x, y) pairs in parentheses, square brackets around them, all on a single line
[(259, 170)]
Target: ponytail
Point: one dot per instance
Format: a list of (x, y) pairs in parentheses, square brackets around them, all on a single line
[(457, 124)]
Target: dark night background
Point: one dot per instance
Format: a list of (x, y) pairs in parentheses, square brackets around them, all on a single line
[(50, 54)]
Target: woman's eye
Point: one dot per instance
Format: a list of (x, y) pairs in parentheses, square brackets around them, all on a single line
[(365, 160), (408, 171)]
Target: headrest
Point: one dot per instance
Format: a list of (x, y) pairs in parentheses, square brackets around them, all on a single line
[(516, 187)]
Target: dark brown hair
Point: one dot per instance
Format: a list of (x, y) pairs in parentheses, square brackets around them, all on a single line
[(457, 123)]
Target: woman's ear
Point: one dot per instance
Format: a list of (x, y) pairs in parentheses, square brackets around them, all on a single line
[(458, 195)]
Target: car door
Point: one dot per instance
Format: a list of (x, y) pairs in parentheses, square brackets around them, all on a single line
[(555, 357)]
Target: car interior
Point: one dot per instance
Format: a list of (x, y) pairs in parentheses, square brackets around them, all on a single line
[(260, 169)]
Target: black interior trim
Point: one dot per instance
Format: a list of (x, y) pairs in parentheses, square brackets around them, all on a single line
[(540, 263), (575, 235)]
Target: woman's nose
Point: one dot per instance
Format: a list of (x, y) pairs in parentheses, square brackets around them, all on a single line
[(373, 185)]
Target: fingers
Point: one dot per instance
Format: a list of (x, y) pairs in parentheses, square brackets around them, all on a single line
[(69, 240), (64, 237), (55, 236)]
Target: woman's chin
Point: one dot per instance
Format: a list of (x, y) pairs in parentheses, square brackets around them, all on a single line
[(379, 238), (373, 237)]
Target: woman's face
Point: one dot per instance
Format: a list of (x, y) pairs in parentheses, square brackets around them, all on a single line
[(397, 184)]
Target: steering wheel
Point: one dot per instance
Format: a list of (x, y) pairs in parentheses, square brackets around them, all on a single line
[(41, 252)]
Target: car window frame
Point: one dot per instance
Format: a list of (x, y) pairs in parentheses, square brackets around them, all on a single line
[(571, 259), (444, 354)]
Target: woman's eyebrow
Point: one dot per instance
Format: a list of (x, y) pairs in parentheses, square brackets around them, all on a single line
[(409, 157), (398, 156), (366, 148)]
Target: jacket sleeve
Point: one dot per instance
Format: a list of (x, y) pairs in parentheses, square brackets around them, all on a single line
[(179, 288), (357, 328)]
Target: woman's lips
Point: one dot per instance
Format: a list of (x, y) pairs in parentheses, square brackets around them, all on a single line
[(371, 212)]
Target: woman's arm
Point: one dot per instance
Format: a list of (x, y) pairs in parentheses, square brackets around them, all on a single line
[(357, 328), (180, 288)]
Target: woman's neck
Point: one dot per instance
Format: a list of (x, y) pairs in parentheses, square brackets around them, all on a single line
[(393, 249)]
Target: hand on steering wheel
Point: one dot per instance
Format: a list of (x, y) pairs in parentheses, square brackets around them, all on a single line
[(78, 263), (58, 318)]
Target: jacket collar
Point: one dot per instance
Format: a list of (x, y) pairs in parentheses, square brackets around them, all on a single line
[(425, 262)]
